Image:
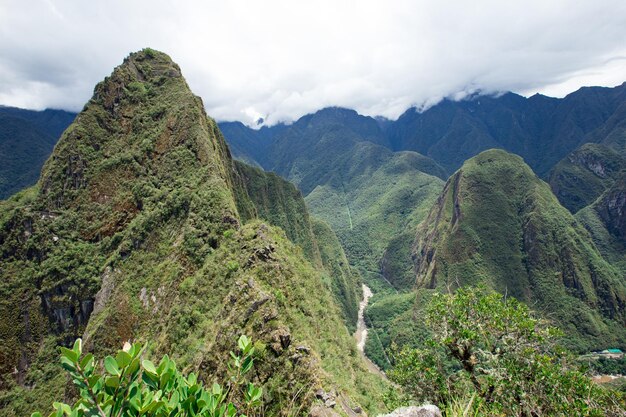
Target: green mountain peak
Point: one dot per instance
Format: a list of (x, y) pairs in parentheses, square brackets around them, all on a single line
[(497, 223), (142, 228)]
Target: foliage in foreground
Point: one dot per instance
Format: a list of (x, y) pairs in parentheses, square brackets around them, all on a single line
[(129, 386), (488, 355)]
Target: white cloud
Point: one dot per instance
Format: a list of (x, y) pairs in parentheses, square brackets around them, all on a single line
[(281, 59)]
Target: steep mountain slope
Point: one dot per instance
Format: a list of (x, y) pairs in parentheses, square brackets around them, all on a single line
[(540, 129), (496, 223), (134, 232), (305, 151), (582, 176), (26, 140), (280, 203), (605, 220)]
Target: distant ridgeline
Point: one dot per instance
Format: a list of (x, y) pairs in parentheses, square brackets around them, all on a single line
[(26, 140), (141, 227)]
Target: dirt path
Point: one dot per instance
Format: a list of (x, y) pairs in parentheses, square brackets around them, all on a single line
[(361, 332)]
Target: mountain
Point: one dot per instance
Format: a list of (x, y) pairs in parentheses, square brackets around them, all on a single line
[(541, 129), (583, 175), (141, 227), (605, 219), (280, 203), (26, 140), (250, 145), (496, 223), (366, 193), (590, 182)]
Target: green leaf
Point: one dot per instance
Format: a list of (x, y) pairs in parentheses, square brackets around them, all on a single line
[(247, 364), (85, 362), (243, 342), (123, 359), (231, 410), (69, 354), (150, 380), (112, 382), (67, 364), (64, 408), (164, 364), (149, 366), (192, 378), (92, 380), (165, 377), (174, 400), (111, 366), (133, 367), (78, 347)]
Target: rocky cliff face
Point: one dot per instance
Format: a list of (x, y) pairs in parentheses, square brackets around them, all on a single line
[(580, 178), (604, 219), (496, 223), (611, 208), (135, 232)]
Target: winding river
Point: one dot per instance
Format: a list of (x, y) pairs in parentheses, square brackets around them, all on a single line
[(361, 332)]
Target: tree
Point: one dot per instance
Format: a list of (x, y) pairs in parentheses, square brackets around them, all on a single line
[(128, 386), (493, 350)]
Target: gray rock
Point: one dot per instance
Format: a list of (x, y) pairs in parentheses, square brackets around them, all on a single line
[(320, 411), (414, 411)]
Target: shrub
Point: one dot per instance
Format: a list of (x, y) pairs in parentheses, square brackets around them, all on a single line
[(129, 386), (491, 349)]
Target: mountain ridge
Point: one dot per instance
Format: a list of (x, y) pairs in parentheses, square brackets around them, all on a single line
[(498, 224), (134, 232)]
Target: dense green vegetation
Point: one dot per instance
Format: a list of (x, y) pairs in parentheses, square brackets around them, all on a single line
[(604, 366), (516, 239), (605, 220), (141, 228), (497, 224), (392, 319), (280, 203), (343, 279), (580, 178), (373, 206), (132, 386), (26, 140), (490, 353)]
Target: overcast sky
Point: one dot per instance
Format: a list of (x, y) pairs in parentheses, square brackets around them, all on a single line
[(282, 59)]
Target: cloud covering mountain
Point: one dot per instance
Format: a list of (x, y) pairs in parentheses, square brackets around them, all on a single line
[(280, 59)]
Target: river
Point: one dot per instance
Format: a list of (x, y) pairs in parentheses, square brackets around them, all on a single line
[(361, 332)]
